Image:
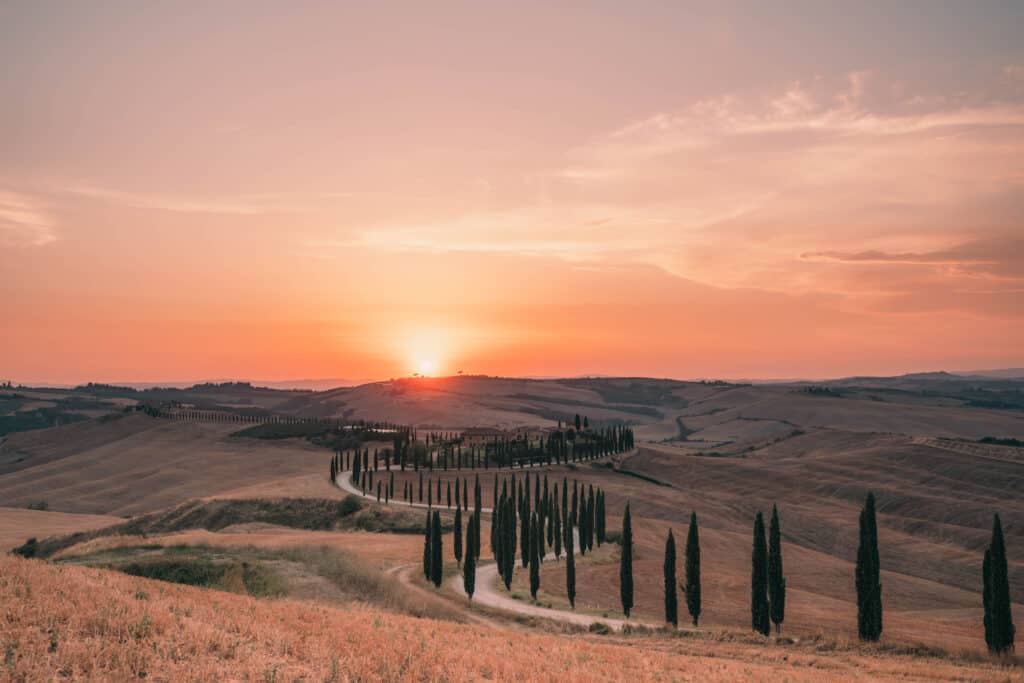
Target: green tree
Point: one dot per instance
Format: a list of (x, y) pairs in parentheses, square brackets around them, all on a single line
[(999, 628), (457, 540), (534, 556), (867, 575), (626, 564), (436, 555), (693, 597), (570, 565), (759, 618), (469, 566), (671, 600), (427, 548), (776, 577)]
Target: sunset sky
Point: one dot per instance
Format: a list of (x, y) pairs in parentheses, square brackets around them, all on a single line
[(297, 190)]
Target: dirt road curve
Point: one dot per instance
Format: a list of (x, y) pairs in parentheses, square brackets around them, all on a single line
[(487, 592)]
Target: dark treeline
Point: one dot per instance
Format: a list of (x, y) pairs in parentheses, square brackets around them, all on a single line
[(433, 451)]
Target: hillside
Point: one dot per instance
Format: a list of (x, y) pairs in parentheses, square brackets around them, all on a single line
[(137, 464), (78, 623)]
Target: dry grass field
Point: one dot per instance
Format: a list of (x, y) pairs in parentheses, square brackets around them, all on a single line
[(137, 464), (78, 623), (18, 524)]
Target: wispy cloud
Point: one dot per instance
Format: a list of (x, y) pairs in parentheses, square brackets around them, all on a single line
[(23, 221), (251, 204)]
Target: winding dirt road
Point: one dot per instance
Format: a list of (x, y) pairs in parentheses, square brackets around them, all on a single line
[(487, 591)]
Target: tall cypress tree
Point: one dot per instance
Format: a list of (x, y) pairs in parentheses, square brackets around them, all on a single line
[(867, 575), (776, 577), (693, 597), (534, 556), (427, 548), (570, 565), (436, 555), (671, 601), (986, 597), (469, 566), (552, 512), (599, 518), (759, 618), (508, 553), (626, 564), (524, 528), (457, 540), (998, 613)]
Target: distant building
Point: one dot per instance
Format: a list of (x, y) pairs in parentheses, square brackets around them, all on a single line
[(481, 436)]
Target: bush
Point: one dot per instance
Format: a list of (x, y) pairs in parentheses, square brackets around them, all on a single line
[(600, 628), (28, 549), (350, 505), (39, 505)]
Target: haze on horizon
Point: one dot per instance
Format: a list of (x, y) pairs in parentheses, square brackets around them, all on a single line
[(675, 190)]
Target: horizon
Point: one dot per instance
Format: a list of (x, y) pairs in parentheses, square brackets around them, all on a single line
[(418, 191), (297, 384)]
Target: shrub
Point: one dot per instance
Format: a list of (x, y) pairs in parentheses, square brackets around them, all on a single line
[(350, 505), (28, 549)]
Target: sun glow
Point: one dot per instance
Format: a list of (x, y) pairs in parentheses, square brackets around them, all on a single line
[(426, 367)]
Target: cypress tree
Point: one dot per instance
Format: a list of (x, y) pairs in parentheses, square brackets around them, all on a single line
[(525, 531), (509, 553), (759, 618), (999, 616), (693, 597), (671, 601), (534, 557), (469, 566), (570, 565), (776, 577), (427, 549), (457, 541), (599, 518), (626, 564), (867, 575), (552, 512), (986, 597), (436, 555)]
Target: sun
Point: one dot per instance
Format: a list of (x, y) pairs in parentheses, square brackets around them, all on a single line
[(426, 367)]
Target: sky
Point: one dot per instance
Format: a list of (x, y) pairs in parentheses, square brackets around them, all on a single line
[(278, 191)]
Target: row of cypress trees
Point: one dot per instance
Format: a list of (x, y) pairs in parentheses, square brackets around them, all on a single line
[(560, 447), (768, 583)]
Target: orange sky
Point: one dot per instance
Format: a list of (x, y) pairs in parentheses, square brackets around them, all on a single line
[(255, 192)]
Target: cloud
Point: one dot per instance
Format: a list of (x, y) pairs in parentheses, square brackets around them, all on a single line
[(1001, 257), (23, 222), (251, 204)]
